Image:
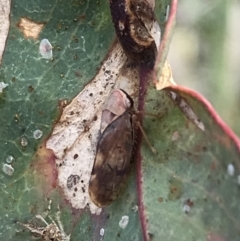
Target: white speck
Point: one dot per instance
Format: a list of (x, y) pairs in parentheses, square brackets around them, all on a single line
[(135, 208), (2, 86), (230, 169), (102, 231), (238, 179), (123, 222), (10, 159), (83, 49), (121, 25), (8, 169), (186, 208), (24, 141), (37, 134), (45, 49)]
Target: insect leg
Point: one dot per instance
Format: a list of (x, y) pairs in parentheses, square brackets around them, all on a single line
[(38, 216), (138, 112), (146, 138), (36, 231)]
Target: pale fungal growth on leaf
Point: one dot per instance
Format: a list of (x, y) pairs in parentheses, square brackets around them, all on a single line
[(124, 222), (8, 169), (3, 86), (45, 49), (230, 169), (75, 136), (37, 134)]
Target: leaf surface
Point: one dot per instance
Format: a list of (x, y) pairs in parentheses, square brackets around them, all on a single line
[(189, 169), (190, 189)]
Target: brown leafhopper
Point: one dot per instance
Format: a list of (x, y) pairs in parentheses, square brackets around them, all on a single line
[(115, 148)]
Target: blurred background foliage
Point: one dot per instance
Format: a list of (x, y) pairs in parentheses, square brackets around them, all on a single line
[(205, 54)]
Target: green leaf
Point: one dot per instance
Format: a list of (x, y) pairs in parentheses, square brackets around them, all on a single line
[(190, 167), (187, 190), (81, 33)]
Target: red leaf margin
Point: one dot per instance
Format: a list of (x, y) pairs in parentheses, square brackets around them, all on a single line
[(163, 49), (193, 94)]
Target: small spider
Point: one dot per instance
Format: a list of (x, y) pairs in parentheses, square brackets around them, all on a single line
[(52, 231)]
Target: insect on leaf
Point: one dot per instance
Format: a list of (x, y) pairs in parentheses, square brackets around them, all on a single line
[(114, 151)]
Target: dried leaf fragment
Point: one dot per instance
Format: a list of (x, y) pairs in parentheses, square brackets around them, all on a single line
[(29, 28), (166, 78)]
